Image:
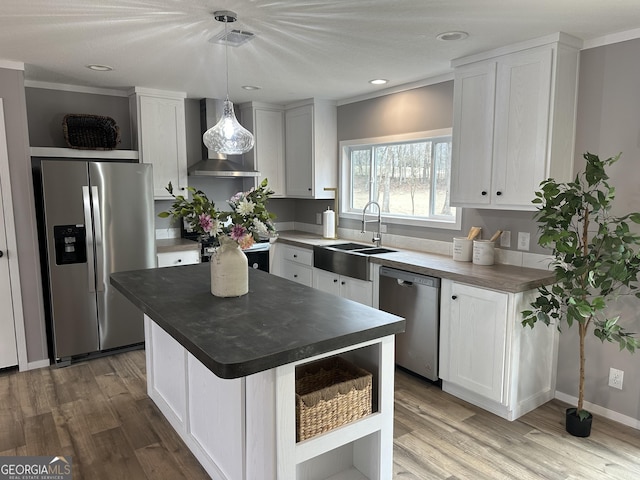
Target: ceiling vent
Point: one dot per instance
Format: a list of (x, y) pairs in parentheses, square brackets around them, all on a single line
[(232, 38)]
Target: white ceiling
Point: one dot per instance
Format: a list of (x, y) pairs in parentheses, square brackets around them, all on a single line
[(302, 48)]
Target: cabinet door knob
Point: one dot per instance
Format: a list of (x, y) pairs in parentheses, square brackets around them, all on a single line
[(453, 297), (295, 275), (1, 253), (484, 192), (335, 280), (342, 283), (309, 188), (179, 260), (295, 256), (498, 193)]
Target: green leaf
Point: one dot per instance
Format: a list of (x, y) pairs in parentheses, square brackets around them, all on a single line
[(583, 415)]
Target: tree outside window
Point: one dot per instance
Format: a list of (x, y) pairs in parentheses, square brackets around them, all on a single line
[(407, 179)]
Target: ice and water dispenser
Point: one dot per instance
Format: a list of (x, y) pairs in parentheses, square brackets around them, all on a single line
[(70, 244)]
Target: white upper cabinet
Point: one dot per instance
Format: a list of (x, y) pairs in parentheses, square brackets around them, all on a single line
[(158, 130), (311, 149), (266, 122), (514, 116)]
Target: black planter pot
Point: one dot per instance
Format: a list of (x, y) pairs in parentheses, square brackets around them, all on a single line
[(577, 427)]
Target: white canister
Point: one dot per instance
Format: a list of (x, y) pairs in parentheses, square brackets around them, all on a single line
[(462, 249), (329, 223), (483, 252)]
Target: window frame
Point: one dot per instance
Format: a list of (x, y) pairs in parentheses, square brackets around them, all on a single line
[(345, 176)]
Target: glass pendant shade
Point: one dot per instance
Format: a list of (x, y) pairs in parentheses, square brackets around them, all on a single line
[(228, 136)]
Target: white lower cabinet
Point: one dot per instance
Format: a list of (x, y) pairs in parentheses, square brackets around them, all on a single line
[(245, 428), (172, 259), (350, 288), (292, 263), (487, 357)]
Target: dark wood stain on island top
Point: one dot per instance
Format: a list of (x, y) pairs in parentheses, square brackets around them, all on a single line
[(276, 323)]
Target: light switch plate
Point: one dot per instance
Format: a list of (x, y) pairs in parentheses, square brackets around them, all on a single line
[(523, 240)]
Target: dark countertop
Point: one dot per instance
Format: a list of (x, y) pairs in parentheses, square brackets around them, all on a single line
[(276, 323), (505, 278)]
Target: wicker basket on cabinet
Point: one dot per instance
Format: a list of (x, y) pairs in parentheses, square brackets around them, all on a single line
[(330, 393), (90, 132)]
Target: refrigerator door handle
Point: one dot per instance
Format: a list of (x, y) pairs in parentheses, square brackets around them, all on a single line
[(91, 274), (97, 227)]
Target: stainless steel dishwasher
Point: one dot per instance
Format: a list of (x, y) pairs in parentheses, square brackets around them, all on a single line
[(416, 298)]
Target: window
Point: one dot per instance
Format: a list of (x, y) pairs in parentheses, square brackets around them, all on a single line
[(408, 176)]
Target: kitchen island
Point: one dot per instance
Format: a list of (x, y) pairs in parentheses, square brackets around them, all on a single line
[(222, 371)]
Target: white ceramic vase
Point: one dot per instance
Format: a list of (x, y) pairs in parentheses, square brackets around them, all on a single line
[(229, 270)]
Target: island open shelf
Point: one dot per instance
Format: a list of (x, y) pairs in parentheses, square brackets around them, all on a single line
[(229, 392)]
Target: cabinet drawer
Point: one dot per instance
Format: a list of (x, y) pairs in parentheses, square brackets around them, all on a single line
[(302, 256), (297, 273), (172, 259)]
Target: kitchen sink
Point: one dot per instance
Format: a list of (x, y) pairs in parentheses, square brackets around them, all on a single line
[(375, 250), (349, 259), (348, 246)]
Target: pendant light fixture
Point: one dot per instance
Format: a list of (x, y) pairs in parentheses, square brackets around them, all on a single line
[(228, 136)]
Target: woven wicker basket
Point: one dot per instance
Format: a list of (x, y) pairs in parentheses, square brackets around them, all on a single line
[(330, 393), (90, 132)]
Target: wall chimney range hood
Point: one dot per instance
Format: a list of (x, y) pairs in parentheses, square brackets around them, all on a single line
[(215, 164)]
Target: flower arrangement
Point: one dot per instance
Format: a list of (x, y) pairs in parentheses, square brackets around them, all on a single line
[(244, 224)]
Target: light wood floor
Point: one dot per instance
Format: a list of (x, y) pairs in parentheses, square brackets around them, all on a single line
[(98, 412)]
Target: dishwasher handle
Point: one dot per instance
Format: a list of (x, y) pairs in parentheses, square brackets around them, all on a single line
[(410, 277), (404, 283)]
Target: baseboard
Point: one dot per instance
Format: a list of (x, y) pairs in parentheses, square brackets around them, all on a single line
[(37, 364), (602, 411)]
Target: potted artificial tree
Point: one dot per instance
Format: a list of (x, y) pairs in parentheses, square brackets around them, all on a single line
[(595, 260)]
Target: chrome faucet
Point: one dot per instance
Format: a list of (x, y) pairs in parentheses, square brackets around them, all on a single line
[(377, 238)]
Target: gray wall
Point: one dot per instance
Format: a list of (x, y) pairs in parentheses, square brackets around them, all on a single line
[(46, 109), (15, 114), (608, 122)]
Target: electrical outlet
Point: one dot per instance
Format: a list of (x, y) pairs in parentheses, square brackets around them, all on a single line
[(523, 240), (318, 219), (615, 378), (505, 239)]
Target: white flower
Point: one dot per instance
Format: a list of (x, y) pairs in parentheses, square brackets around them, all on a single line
[(259, 226), (216, 228), (245, 207)]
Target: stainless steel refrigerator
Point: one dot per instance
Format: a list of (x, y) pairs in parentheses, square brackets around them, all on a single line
[(99, 219)]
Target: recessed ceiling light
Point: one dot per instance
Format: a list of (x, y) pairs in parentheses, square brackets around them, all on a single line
[(378, 81), (99, 68), (251, 87), (452, 36)]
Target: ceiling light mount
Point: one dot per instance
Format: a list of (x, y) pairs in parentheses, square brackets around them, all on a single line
[(228, 136), (225, 16)]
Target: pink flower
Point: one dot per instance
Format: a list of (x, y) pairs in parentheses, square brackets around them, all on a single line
[(237, 232), (246, 241), (206, 222)]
